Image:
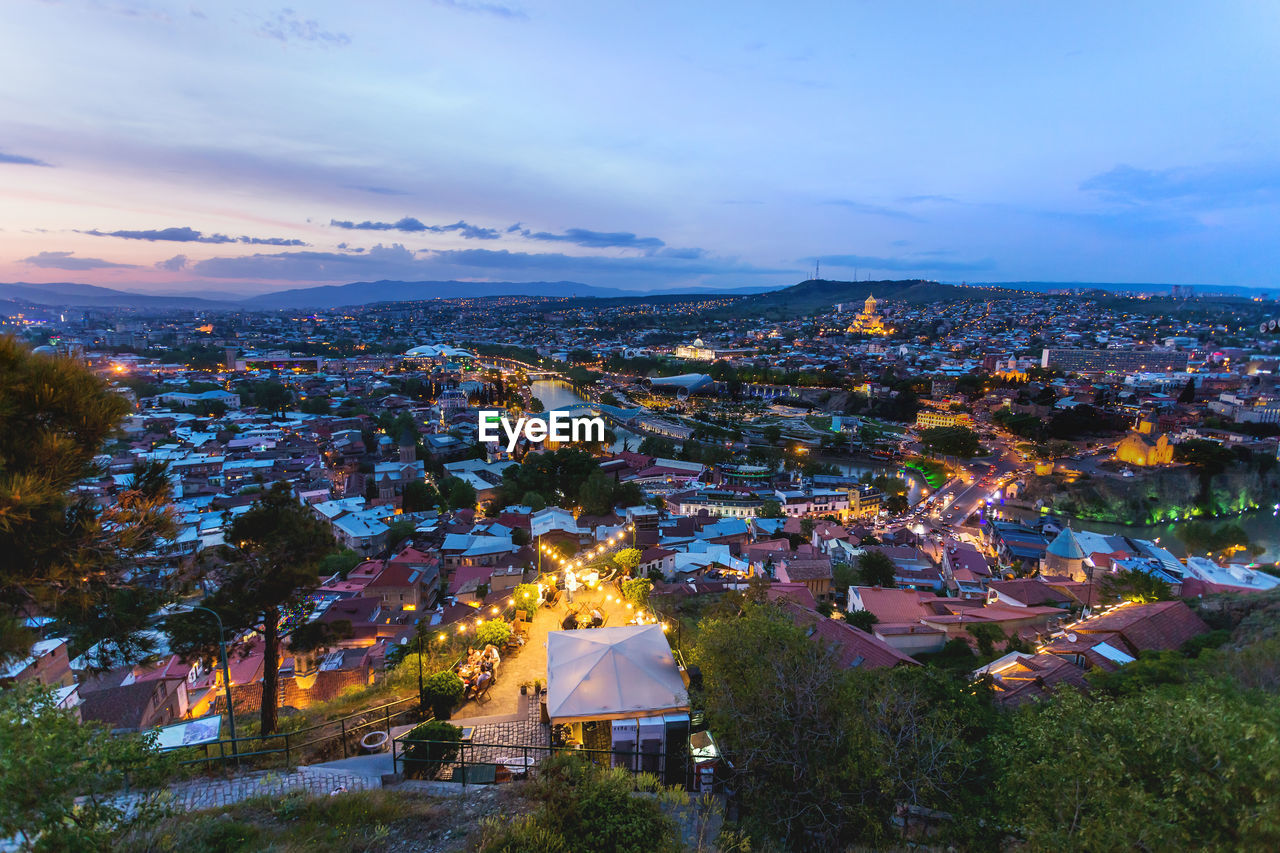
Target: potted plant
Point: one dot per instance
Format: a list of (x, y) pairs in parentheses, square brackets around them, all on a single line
[(430, 746), (442, 691), (537, 686), (524, 687)]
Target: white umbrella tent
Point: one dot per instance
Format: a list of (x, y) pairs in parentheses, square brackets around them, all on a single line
[(612, 673)]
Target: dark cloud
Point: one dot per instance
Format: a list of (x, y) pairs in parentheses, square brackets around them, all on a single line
[(924, 262), (285, 26), (592, 239), (873, 209), (410, 225), (400, 263), (1205, 187), (498, 10), (19, 160), (68, 261), (177, 262), (190, 235)]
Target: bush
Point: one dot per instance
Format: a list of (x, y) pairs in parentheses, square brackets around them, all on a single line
[(525, 596), (495, 632), (428, 747), (637, 591), (442, 691)]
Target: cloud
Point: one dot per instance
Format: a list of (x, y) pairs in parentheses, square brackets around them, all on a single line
[(67, 261), (928, 199), (177, 262), (873, 209), (19, 160), (496, 9), (287, 27), (592, 239), (397, 262), (378, 190), (410, 225), (1209, 187), (190, 235), (924, 262)]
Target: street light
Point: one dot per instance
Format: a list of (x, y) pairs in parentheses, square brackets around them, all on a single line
[(226, 678)]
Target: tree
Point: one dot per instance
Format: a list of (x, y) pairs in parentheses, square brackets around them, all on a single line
[(608, 398), (1188, 394), (637, 591), (1136, 585), (951, 441), (863, 619), (459, 494), (770, 509), (272, 396), (876, 569), (63, 554), (270, 566), (772, 433), (399, 531), (315, 406), (49, 760), (627, 559), (339, 563), (536, 406), (534, 501), (492, 632), (441, 692), (419, 497), (596, 497), (806, 527)]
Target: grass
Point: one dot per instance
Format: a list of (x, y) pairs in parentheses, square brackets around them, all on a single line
[(359, 821)]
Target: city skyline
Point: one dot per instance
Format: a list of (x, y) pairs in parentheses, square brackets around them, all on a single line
[(196, 150)]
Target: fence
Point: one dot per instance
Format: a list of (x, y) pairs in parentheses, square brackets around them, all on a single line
[(263, 748), (485, 763)]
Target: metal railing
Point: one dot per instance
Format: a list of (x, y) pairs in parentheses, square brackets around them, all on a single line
[(466, 763), (286, 744)]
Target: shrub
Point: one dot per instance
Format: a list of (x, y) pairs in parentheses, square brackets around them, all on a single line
[(428, 747), (495, 632), (525, 596), (442, 691), (637, 590)]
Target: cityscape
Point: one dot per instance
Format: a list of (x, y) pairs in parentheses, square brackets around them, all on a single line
[(337, 532)]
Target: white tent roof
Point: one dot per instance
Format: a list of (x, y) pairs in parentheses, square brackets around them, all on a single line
[(612, 673)]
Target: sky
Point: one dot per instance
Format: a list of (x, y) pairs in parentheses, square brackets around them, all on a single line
[(222, 148)]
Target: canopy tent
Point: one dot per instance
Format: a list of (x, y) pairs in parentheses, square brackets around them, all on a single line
[(611, 674)]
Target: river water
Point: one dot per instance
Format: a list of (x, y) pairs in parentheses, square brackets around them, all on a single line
[(556, 394)]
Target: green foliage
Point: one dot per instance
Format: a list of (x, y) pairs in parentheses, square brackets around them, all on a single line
[(596, 495), (636, 591), (441, 691), (525, 596), (339, 563), (419, 497), (627, 559), (951, 441), (398, 531), (494, 632), (63, 555), (875, 568), (770, 509), (534, 501), (458, 493), (1136, 585), (429, 746), (1164, 769), (582, 806), (48, 760), (863, 619)]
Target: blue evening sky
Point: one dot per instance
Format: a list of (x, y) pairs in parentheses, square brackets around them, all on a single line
[(232, 146)]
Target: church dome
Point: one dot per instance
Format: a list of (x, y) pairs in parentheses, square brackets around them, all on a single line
[(1066, 546)]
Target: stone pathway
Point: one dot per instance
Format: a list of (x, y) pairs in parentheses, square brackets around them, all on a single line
[(197, 794)]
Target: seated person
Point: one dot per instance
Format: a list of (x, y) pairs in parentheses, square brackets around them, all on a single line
[(483, 680), (491, 654)]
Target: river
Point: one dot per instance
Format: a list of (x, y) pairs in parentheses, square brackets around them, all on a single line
[(557, 394), (1262, 527)]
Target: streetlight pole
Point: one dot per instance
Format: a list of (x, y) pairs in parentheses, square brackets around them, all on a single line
[(419, 667), (226, 679)]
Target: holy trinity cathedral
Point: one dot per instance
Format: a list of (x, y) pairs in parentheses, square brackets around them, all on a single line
[(869, 322)]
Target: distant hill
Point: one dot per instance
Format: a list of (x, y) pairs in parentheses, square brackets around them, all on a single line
[(819, 294), (367, 292), (72, 295)]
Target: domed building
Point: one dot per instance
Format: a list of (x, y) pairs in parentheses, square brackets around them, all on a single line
[(1064, 556), (869, 322)]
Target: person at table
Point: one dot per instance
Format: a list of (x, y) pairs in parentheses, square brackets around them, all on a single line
[(491, 654), (482, 681)]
